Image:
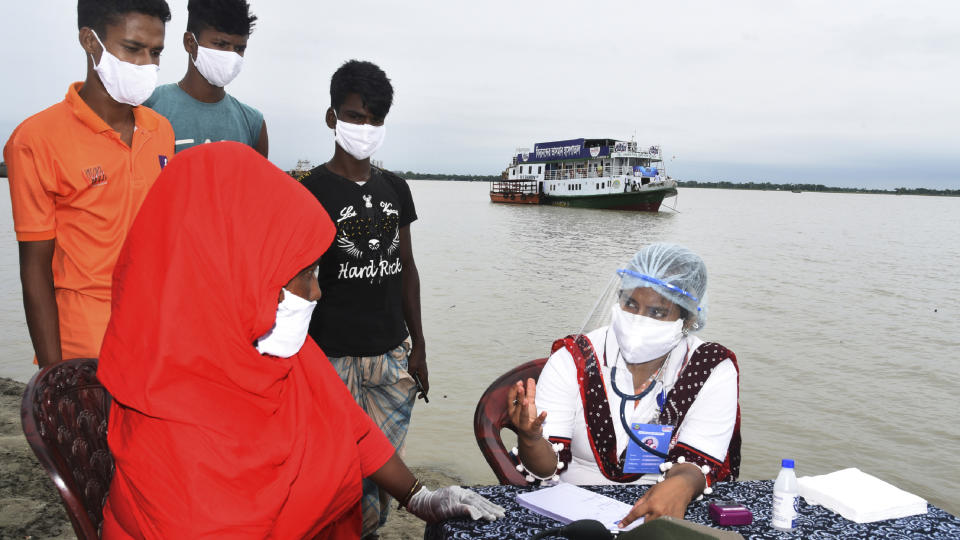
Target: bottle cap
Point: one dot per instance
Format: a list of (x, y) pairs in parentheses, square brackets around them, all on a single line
[(787, 463)]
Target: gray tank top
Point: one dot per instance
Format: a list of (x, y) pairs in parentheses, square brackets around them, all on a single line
[(195, 122)]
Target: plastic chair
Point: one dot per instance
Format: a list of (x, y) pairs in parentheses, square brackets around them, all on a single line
[(491, 417), (64, 416)]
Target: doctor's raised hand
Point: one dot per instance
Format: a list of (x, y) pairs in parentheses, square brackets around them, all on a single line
[(522, 408)]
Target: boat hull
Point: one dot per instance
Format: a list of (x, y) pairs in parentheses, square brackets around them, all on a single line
[(516, 198), (642, 201)]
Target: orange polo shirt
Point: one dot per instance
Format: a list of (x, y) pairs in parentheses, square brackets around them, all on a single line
[(74, 180)]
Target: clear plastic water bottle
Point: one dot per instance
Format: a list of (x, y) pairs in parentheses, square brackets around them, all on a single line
[(785, 498)]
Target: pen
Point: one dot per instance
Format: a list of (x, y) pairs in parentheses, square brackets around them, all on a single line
[(416, 379)]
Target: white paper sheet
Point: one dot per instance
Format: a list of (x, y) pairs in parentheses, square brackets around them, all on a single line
[(567, 502), (859, 496)]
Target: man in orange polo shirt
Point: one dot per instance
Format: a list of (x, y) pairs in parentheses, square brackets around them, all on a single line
[(78, 172)]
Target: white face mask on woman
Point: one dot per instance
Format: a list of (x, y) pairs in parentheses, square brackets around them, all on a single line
[(219, 68), (125, 82), (642, 339), (290, 330), (359, 140)]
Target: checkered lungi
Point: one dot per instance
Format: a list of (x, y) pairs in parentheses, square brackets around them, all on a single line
[(382, 386)]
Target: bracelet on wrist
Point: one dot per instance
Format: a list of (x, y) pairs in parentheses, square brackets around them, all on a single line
[(530, 476), (705, 469), (402, 504)]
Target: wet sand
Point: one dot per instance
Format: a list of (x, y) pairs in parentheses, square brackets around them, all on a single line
[(29, 504), (30, 507)]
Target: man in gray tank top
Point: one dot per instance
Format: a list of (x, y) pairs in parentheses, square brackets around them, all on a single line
[(198, 107)]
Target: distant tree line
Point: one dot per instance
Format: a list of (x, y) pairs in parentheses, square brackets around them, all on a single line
[(761, 186), (410, 175), (767, 186)]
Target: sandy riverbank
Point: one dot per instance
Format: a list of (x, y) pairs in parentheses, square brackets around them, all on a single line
[(30, 507)]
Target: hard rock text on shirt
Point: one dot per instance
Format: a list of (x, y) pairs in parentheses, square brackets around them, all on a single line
[(371, 270)]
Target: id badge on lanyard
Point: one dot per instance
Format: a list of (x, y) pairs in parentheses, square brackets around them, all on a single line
[(657, 437)]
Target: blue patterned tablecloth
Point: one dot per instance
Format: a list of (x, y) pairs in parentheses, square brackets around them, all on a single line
[(813, 522)]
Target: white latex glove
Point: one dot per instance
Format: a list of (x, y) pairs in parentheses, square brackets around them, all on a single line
[(453, 501)]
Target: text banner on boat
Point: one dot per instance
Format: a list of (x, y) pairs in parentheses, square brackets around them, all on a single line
[(563, 150)]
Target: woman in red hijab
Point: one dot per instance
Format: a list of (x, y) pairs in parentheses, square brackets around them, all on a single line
[(226, 420)]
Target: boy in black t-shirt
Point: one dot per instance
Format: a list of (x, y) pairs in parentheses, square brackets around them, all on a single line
[(370, 302)]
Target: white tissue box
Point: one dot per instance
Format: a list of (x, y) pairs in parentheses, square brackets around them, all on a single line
[(859, 496)]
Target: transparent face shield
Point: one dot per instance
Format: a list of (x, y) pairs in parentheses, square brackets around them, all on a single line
[(618, 290)]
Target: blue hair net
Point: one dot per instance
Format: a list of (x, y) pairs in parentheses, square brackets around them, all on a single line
[(675, 272)]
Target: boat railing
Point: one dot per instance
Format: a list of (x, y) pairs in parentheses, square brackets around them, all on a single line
[(514, 186), (589, 172)]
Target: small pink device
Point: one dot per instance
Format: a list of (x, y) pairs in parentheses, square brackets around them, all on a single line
[(729, 513)]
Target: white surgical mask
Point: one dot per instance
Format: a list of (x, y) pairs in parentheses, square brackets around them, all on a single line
[(290, 331), (217, 67), (125, 82), (359, 140), (642, 339)]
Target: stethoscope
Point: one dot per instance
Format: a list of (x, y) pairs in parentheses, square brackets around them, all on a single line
[(624, 397)]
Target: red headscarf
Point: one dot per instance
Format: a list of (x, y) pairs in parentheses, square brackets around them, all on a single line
[(211, 438)]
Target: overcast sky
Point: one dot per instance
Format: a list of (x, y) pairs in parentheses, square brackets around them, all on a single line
[(850, 93)]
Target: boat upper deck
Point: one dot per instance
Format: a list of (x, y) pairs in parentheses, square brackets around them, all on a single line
[(588, 150)]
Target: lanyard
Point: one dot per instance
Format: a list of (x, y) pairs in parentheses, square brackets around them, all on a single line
[(635, 397)]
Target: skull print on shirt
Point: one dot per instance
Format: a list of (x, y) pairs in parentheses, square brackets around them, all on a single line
[(368, 233)]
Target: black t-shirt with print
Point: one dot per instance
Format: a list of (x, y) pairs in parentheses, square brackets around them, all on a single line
[(360, 311)]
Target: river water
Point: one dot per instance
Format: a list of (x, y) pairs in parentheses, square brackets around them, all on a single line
[(842, 310)]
